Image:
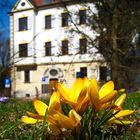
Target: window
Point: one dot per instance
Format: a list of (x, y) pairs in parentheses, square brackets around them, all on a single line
[(103, 73), (23, 50), (64, 19), (82, 17), (48, 22), (48, 49), (27, 76), (23, 24), (64, 47), (83, 45), (84, 71), (45, 88), (53, 72)]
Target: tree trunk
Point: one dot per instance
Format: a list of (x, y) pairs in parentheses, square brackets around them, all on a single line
[(114, 60)]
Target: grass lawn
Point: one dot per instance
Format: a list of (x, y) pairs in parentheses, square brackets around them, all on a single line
[(11, 127)]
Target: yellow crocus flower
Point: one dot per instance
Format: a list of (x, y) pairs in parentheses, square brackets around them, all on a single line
[(55, 119), (33, 118), (76, 97), (100, 98), (119, 117)]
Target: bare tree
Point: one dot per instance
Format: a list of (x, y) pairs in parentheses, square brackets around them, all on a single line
[(116, 22)]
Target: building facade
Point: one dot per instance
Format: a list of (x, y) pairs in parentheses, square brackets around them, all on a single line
[(45, 48)]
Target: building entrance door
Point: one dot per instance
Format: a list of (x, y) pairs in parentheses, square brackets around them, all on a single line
[(53, 83)]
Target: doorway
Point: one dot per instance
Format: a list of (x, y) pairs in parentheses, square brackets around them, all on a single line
[(53, 83)]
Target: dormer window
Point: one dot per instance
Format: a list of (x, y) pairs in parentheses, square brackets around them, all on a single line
[(23, 24)]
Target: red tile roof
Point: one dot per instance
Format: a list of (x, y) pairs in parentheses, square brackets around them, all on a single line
[(43, 2), (38, 2)]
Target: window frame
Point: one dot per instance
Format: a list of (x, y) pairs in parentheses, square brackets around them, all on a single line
[(23, 24), (64, 19), (23, 50), (83, 45), (48, 22), (64, 47), (48, 48)]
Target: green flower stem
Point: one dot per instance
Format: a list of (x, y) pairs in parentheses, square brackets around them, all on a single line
[(43, 125), (106, 116), (85, 123)]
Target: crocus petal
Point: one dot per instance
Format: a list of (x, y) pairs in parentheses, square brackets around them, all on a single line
[(53, 130), (122, 113), (83, 106), (28, 120), (63, 121), (120, 100), (40, 107), (121, 90), (51, 119), (122, 122), (86, 82), (81, 97), (35, 116), (66, 93), (77, 87), (106, 89), (80, 106), (106, 105), (75, 116), (54, 103), (108, 97), (93, 93), (94, 85)]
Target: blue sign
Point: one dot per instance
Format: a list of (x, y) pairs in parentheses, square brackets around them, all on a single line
[(7, 83), (79, 75), (44, 80)]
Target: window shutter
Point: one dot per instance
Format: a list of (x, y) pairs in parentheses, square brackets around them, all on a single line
[(22, 76), (16, 26), (30, 50), (31, 76), (53, 21), (29, 22), (43, 22), (16, 51)]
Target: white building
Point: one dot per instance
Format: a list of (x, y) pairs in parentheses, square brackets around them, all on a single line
[(43, 48)]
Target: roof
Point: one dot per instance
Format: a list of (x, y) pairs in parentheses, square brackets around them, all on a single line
[(43, 2)]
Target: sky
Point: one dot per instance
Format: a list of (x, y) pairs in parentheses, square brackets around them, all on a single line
[(4, 18)]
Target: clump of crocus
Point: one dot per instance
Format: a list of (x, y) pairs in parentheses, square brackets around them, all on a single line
[(81, 110), (56, 120), (4, 99)]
